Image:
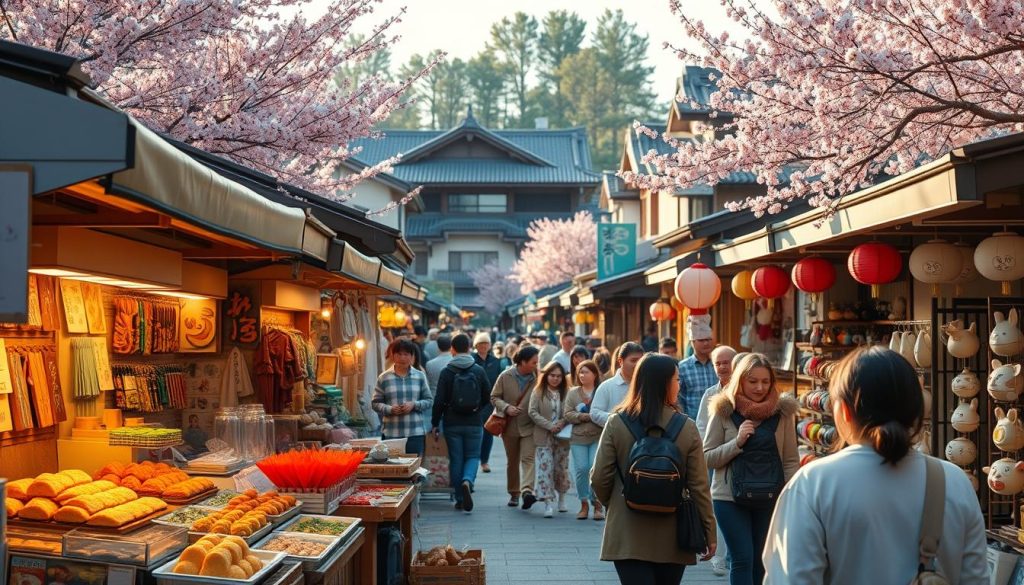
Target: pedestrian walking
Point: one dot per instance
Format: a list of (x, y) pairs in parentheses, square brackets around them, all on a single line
[(552, 449), (492, 368), (435, 366), (613, 390), (431, 350), (697, 373), (750, 443), (508, 352), (603, 359), (650, 340), (878, 409), (402, 397), (507, 396), (547, 350), (462, 393), (644, 546), (568, 341), (585, 434), (669, 347), (578, 355)]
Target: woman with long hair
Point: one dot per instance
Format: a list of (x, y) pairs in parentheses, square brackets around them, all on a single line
[(509, 353), (604, 362), (583, 444), (578, 355), (552, 453), (878, 410), (510, 398), (752, 426), (644, 546)]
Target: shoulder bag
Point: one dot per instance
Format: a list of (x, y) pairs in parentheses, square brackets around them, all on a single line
[(496, 423), (931, 523)]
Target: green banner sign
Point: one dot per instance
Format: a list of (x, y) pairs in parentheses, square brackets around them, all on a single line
[(616, 249)]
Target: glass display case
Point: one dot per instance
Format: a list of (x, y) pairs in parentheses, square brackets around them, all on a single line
[(145, 547), (43, 542)]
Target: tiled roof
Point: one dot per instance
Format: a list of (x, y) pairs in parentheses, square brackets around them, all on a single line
[(643, 143), (616, 187), (696, 85), (428, 225)]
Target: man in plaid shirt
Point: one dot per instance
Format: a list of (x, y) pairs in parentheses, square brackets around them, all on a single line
[(697, 372), (402, 396)]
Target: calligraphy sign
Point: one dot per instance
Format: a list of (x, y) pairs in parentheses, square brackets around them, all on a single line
[(241, 313), (616, 249)]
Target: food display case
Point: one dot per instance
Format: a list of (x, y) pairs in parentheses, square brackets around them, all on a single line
[(145, 547), (31, 540)]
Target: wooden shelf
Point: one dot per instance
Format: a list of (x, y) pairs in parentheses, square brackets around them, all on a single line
[(828, 323), (816, 413), (817, 447)]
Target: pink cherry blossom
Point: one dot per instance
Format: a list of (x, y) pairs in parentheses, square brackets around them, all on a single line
[(497, 288), (558, 250), (841, 92)]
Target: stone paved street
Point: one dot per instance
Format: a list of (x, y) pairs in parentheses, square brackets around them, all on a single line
[(524, 547)]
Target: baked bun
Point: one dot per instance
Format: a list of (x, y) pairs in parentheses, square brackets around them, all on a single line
[(41, 509)]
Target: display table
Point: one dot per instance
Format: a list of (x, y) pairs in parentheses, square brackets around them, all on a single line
[(373, 517), (343, 567), (403, 469)]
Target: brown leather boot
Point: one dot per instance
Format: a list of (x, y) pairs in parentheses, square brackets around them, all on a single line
[(598, 511), (584, 510)]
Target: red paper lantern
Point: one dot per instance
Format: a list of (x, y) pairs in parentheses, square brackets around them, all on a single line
[(874, 264), (662, 311), (697, 288), (814, 275), (770, 282)]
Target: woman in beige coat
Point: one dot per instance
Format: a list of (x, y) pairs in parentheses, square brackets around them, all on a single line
[(644, 546), (742, 416), (585, 433), (552, 453), (510, 398)]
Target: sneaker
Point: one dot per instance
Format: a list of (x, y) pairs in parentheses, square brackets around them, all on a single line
[(513, 501), (549, 511), (529, 500), (458, 505), (485, 468), (598, 512), (718, 567), (467, 496), (561, 504)]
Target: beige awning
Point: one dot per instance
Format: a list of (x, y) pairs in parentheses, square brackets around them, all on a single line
[(346, 260), (662, 272), (168, 179), (566, 298), (391, 279)]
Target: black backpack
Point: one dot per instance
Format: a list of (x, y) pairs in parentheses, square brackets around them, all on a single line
[(465, 397), (655, 480), (757, 476)]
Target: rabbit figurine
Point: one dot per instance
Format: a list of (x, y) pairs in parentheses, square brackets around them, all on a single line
[(961, 451), (1006, 338), (1006, 476), (907, 343), (895, 341), (965, 418), (966, 384), (1009, 432), (962, 343), (923, 350), (1005, 383)]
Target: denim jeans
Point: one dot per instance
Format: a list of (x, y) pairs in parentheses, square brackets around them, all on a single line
[(488, 440), (582, 462), (415, 444), (463, 455), (745, 531)]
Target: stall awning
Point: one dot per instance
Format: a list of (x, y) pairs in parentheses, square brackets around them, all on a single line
[(631, 283), (662, 272), (167, 179), (390, 279), (344, 259), (569, 298), (552, 299)]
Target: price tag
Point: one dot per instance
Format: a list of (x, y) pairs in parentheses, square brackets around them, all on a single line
[(252, 478)]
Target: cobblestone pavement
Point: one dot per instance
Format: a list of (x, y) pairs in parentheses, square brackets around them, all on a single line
[(522, 547)]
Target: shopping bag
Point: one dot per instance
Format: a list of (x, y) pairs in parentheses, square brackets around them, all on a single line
[(435, 460)]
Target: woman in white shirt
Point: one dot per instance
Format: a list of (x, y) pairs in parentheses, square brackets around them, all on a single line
[(855, 517)]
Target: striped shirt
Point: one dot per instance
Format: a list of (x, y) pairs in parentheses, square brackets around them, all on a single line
[(694, 379), (394, 390)]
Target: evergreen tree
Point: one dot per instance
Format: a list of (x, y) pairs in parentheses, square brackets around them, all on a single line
[(372, 63), (452, 93), (515, 40), (488, 78), (562, 37), (586, 83)]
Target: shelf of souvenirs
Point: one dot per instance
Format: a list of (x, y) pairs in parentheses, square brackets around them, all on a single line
[(854, 322)]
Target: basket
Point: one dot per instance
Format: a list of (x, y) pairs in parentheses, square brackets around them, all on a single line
[(420, 574), (323, 501)]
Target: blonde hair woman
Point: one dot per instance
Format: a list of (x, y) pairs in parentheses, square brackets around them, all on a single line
[(552, 454), (752, 426)]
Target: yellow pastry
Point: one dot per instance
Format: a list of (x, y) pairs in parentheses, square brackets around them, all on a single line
[(185, 568), (245, 566), (193, 554), (255, 561), (19, 489), (77, 476), (217, 564), (240, 542), (48, 485), (71, 515), (38, 509), (236, 551), (86, 489), (236, 572), (95, 503), (13, 506)]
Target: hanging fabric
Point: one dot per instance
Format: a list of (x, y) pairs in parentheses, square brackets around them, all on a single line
[(236, 382), (349, 327), (282, 358), (84, 378), (145, 326), (335, 328)]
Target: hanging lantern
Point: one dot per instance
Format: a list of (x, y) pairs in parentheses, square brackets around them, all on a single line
[(325, 307), (400, 318), (742, 287), (813, 276), (936, 262), (874, 264), (386, 317), (1001, 258), (661, 311), (591, 318), (579, 318), (698, 288), (968, 272), (770, 282)]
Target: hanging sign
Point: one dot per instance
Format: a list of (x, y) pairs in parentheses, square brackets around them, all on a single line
[(616, 248), (15, 230), (242, 314)]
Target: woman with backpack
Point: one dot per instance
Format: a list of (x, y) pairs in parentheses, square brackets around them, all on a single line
[(644, 545), (878, 409), (750, 443), (552, 455), (585, 433)]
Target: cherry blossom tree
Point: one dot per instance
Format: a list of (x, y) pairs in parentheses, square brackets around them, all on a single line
[(497, 288), (843, 92), (238, 79), (558, 249)]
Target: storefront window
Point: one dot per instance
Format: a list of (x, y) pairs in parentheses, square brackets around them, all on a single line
[(490, 203)]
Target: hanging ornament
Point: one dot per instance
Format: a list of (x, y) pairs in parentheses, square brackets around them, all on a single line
[(874, 264), (579, 318), (770, 282), (1001, 258), (936, 262), (660, 310), (742, 287), (698, 288), (814, 276), (968, 272)]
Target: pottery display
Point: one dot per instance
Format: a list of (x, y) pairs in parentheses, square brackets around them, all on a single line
[(907, 343), (961, 451), (966, 384), (965, 418), (1006, 338), (1005, 383), (1006, 476), (962, 342), (1008, 434), (923, 350)]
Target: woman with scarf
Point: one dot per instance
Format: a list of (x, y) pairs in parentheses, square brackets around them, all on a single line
[(552, 452), (750, 419)]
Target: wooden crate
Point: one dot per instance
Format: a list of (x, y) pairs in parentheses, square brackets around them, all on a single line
[(324, 501), (420, 574), (390, 470)]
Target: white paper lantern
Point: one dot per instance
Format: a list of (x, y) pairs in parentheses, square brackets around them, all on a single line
[(968, 272), (936, 262), (1001, 258)]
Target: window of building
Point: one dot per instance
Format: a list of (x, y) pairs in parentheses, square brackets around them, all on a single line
[(431, 201), (470, 261), (485, 203), (699, 207), (539, 202), (420, 262)]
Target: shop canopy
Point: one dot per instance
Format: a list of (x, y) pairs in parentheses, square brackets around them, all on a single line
[(631, 283), (552, 299)]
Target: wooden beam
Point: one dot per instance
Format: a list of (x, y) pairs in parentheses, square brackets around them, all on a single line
[(104, 219), (229, 253)]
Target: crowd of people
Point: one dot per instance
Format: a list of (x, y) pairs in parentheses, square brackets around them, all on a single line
[(710, 436)]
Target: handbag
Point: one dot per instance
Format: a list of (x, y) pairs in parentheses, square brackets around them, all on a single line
[(565, 433), (931, 523), (690, 527), (496, 423)]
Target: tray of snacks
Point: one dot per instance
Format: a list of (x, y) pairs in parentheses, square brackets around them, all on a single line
[(309, 549), (376, 495), (220, 500), (145, 547), (219, 559), (335, 526), (184, 516), (189, 491), (278, 508)]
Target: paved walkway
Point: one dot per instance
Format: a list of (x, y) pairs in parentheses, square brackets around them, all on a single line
[(524, 548)]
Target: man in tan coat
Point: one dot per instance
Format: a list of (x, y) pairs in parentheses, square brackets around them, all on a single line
[(510, 397)]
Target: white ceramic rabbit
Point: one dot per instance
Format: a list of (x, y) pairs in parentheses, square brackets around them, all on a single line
[(923, 350), (965, 418), (1006, 338), (966, 384), (907, 343), (1006, 476), (1009, 432), (961, 451), (1005, 383), (962, 343), (895, 340)]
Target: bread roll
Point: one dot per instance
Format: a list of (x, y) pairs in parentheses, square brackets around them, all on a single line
[(113, 468), (13, 506), (38, 509), (217, 564), (76, 475), (95, 503), (71, 515), (19, 489), (49, 485), (93, 487)]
